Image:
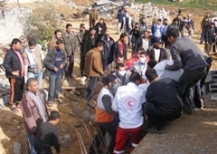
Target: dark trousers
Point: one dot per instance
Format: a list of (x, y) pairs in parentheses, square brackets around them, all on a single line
[(82, 63), (70, 66), (92, 22), (158, 121), (40, 149), (198, 95), (91, 87), (106, 62), (189, 79), (104, 128), (16, 89)]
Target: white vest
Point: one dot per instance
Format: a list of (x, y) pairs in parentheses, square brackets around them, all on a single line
[(104, 91)]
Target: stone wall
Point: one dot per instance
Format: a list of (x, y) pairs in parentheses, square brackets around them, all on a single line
[(12, 23)]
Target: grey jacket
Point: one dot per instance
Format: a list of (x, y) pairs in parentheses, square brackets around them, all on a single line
[(50, 60), (186, 55), (70, 42)]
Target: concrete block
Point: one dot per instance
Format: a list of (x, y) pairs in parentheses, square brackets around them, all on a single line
[(16, 148)]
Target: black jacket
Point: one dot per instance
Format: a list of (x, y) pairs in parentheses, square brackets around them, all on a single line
[(135, 35), (106, 53), (209, 35), (103, 26), (163, 54), (117, 51), (87, 43), (162, 98), (139, 44), (11, 64)]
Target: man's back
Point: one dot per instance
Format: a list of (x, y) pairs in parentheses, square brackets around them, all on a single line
[(128, 102), (47, 137), (187, 54), (163, 93)]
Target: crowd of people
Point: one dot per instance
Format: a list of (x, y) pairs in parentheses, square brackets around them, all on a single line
[(133, 95)]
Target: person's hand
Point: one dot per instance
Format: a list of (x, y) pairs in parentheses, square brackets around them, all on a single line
[(167, 66), (206, 42), (16, 73), (56, 69), (61, 66)]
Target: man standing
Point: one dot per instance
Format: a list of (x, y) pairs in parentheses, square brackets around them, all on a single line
[(120, 16), (47, 135), (93, 16), (143, 42), (90, 40), (135, 36), (163, 101), (80, 37), (204, 24), (128, 103), (54, 63), (52, 43), (14, 67), (164, 36), (186, 55), (157, 31), (93, 68), (69, 39), (210, 35), (33, 61), (120, 47), (105, 116), (34, 110), (107, 54), (157, 52)]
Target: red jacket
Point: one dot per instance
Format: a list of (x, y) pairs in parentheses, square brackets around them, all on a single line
[(131, 61)]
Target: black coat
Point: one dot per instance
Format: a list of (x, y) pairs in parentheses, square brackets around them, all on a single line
[(12, 63), (139, 44), (106, 53), (163, 54), (103, 26), (117, 51), (87, 44), (162, 98), (209, 35)]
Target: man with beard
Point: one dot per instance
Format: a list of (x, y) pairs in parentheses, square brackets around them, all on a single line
[(120, 47), (105, 115)]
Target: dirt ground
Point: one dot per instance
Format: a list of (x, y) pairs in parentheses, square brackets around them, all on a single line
[(190, 134)]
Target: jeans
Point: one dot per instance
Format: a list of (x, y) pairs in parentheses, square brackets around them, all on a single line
[(54, 87), (82, 63), (186, 82), (91, 87), (38, 76), (31, 144)]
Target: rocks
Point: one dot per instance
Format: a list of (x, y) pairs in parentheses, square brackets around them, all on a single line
[(66, 140)]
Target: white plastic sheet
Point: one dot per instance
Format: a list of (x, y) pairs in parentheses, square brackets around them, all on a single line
[(163, 73)]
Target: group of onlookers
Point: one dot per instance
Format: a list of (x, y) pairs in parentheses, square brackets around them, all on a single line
[(133, 94)]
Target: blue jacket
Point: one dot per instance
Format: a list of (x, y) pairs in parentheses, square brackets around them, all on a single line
[(154, 29), (120, 16)]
